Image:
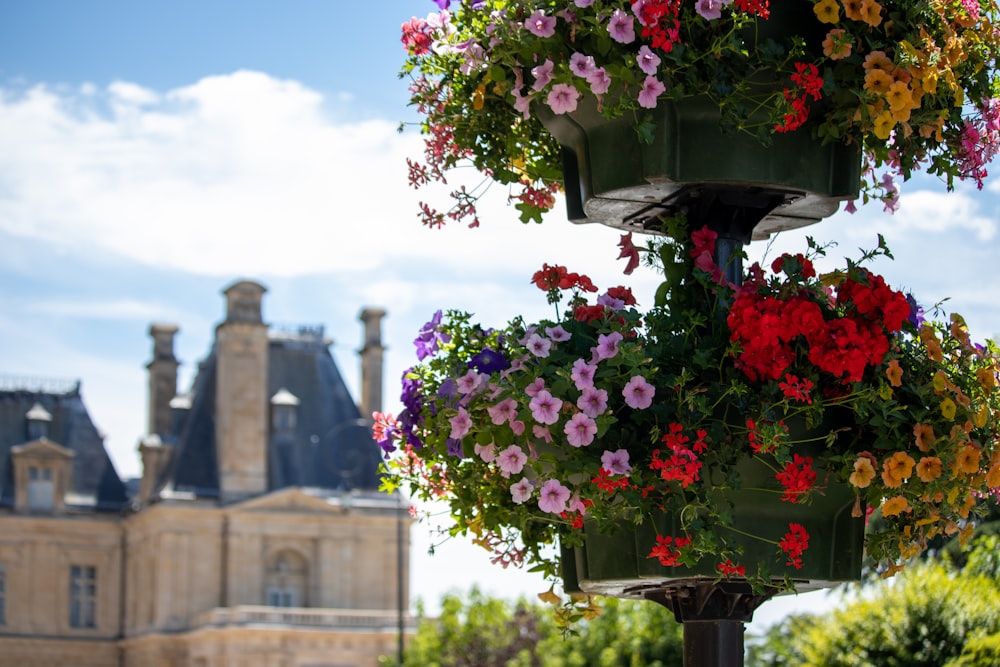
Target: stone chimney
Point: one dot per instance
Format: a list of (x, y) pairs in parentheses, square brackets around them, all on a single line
[(241, 401), (155, 456), (371, 362), (162, 377)]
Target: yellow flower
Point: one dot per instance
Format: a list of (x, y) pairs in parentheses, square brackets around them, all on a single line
[(878, 60), (929, 469), (896, 469), (827, 11), (940, 381), (884, 123), (948, 408), (864, 472), (878, 81), (924, 437), (895, 373), (852, 9), (993, 477), (967, 460), (550, 597), (893, 506), (837, 44), (871, 12), (987, 378)]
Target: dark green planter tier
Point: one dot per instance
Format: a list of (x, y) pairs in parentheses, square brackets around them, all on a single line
[(619, 565), (612, 178)]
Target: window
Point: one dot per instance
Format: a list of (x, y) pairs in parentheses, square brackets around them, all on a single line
[(3, 596), (82, 596), (285, 580), (40, 488), (281, 597)]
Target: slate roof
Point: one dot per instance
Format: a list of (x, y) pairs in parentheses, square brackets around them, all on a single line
[(94, 480), (330, 446)]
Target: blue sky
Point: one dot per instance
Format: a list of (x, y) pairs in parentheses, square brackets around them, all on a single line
[(153, 153)]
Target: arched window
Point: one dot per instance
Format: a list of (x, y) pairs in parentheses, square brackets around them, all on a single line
[(286, 580)]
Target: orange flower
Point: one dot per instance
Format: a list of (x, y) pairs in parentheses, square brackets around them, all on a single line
[(878, 60), (929, 469), (852, 9), (878, 81), (827, 11), (896, 469), (993, 477), (925, 438), (893, 506), (864, 472), (967, 460), (895, 373), (934, 350), (871, 12), (987, 378), (837, 44)]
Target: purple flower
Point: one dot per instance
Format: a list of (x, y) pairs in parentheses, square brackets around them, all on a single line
[(542, 74), (442, 4), (592, 401), (521, 491), (580, 430), (429, 339), (489, 361), (460, 424), (540, 25), (511, 461), (638, 393), (583, 374), (553, 496), (648, 61), (651, 89), (916, 317), (621, 27), (545, 407), (607, 346), (563, 98), (616, 462), (611, 302), (454, 447), (538, 345), (599, 81), (582, 65)]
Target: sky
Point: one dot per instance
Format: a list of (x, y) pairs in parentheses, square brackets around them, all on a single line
[(151, 154)]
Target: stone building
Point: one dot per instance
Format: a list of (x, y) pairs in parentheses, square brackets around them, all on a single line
[(256, 535)]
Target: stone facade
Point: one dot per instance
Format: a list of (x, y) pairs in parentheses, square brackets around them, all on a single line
[(259, 542)]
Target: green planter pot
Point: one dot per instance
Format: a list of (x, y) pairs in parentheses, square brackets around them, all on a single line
[(611, 177), (619, 565)]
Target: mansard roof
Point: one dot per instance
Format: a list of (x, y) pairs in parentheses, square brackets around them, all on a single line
[(329, 446), (95, 485)]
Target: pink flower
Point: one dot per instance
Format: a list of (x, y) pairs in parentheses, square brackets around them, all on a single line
[(542, 74), (607, 346), (621, 27), (511, 461), (583, 374), (537, 385), (582, 65), (616, 462), (592, 401), (470, 382), (544, 408), (517, 426), (710, 9), (521, 491), (557, 333), (638, 393), (599, 81), (553, 496), (563, 98), (540, 25), (651, 89), (460, 424), (583, 3), (576, 505), (538, 345), (486, 452), (648, 61), (542, 433), (503, 411), (580, 430)]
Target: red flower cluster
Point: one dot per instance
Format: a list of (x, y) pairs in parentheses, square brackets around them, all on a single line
[(808, 83), (683, 465), (761, 8), (557, 277), (764, 437), (605, 483), (795, 542), (416, 37), (797, 477), (730, 569), (703, 252), (797, 389), (843, 337), (669, 557), (661, 23)]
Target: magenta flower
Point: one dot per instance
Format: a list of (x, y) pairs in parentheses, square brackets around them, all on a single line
[(583, 374), (607, 346), (542, 74), (521, 491), (486, 452), (563, 98), (504, 411), (580, 430), (616, 462), (557, 333), (540, 25), (592, 401), (648, 61), (638, 393), (460, 424), (582, 65), (538, 345), (599, 81), (553, 496), (621, 27), (511, 461), (544, 407), (651, 89)]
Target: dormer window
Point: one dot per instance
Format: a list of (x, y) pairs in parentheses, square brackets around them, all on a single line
[(284, 412), (38, 419), (42, 471), (40, 489)]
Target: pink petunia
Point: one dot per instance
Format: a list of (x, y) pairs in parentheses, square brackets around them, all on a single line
[(607, 346), (621, 27), (582, 65), (599, 81), (460, 424), (504, 411), (542, 433), (520, 492), (563, 98), (486, 452), (470, 383), (540, 25), (616, 462), (537, 385), (542, 74), (544, 407), (638, 393), (538, 345), (592, 401), (583, 374), (511, 461), (580, 430), (553, 497), (651, 90), (557, 333), (648, 61), (710, 9)]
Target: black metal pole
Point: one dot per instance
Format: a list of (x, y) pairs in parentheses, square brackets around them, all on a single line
[(717, 643)]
